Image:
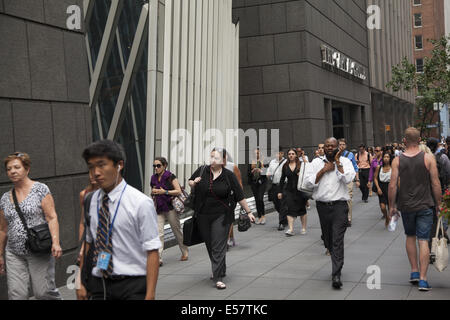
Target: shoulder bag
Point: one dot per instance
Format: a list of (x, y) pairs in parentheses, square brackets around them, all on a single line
[(39, 239), (302, 180), (439, 248), (190, 200)]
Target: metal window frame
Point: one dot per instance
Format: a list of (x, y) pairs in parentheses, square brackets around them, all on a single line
[(131, 106), (137, 49), (152, 85), (105, 50)]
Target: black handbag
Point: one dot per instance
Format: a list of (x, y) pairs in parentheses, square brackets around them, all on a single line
[(39, 238), (244, 222), (191, 233)]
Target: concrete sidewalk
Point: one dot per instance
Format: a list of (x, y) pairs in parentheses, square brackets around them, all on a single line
[(266, 264)]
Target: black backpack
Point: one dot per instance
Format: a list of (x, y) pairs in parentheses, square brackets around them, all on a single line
[(443, 174)]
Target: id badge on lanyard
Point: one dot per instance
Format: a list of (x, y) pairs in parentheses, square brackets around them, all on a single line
[(104, 257), (103, 260)]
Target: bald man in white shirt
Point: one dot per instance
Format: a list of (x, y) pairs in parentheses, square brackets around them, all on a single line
[(329, 178)]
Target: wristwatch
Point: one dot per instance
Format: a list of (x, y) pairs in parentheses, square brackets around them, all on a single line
[(167, 192)]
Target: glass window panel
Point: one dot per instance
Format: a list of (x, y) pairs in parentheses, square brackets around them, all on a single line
[(110, 90), (417, 19), (338, 116), (95, 128), (419, 42), (126, 139), (128, 22), (97, 27), (419, 64)]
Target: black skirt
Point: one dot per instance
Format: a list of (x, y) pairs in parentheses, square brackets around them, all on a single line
[(295, 202), (384, 186)]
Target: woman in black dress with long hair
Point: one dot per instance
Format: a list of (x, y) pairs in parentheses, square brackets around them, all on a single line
[(294, 200)]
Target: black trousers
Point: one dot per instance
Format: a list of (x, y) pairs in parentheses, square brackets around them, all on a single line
[(215, 235), (333, 221), (280, 206), (128, 288), (364, 179), (258, 192)]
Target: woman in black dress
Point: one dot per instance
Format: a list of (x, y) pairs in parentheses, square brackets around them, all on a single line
[(294, 200), (382, 179)]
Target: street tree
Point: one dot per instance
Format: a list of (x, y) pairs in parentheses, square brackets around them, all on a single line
[(432, 85)]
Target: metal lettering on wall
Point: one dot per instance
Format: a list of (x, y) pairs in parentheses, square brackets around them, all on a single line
[(340, 61)]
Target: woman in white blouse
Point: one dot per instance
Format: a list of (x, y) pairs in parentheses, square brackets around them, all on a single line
[(381, 179)]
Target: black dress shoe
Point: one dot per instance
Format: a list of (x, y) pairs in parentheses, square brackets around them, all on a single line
[(337, 284), (281, 227), (349, 224)]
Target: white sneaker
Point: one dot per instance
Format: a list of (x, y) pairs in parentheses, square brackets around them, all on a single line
[(303, 232), (289, 233)]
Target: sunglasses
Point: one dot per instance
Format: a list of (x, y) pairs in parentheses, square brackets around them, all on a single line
[(377, 150), (17, 154), (157, 166)]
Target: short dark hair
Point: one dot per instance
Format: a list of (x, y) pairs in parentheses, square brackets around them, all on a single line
[(342, 140), (362, 145), (105, 148), (432, 143)]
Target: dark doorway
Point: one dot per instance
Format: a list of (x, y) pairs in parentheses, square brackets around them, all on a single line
[(338, 123)]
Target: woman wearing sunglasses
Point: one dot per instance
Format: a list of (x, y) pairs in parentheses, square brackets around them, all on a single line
[(165, 186)]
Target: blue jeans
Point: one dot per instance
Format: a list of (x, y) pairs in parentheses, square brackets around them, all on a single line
[(418, 224)]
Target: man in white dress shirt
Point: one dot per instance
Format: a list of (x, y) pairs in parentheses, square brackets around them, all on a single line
[(123, 229), (329, 178)]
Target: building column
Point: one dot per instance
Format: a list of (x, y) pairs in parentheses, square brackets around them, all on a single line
[(356, 126), (328, 117)]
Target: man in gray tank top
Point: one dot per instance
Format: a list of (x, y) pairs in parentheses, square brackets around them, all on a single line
[(415, 184)]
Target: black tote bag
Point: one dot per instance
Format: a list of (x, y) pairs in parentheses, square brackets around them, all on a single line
[(191, 233)]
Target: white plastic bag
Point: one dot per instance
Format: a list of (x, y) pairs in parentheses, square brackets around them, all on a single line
[(394, 221)]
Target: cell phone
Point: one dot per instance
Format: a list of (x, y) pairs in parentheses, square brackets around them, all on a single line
[(335, 152)]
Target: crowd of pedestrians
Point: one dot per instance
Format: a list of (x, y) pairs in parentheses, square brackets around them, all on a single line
[(121, 230)]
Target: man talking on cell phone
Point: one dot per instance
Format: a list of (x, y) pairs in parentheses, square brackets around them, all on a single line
[(330, 177)]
